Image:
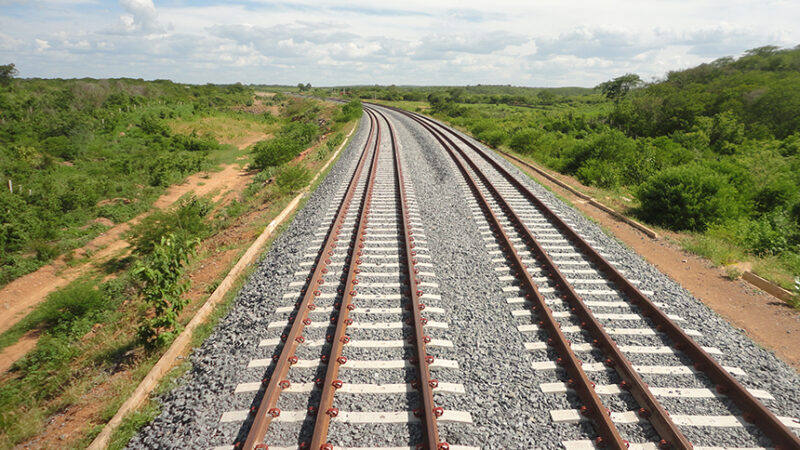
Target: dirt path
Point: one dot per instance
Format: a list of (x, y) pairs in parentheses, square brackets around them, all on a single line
[(17, 350), (20, 296), (765, 319)]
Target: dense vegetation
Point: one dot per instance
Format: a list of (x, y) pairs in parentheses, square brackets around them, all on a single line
[(492, 94), (99, 336), (713, 150), (303, 129), (75, 150)]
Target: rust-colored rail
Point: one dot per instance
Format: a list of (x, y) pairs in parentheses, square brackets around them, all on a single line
[(425, 384), (579, 381), (267, 409), (753, 410), (326, 411)]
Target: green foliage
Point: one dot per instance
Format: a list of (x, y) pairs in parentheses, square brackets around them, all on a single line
[(292, 178), (495, 137), (159, 275), (524, 140), (288, 143), (689, 197), (619, 87), (76, 150), (187, 220), (7, 74), (334, 141), (275, 152), (350, 111)]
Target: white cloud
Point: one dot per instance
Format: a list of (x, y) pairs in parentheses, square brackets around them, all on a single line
[(141, 16), (41, 45), (331, 42)]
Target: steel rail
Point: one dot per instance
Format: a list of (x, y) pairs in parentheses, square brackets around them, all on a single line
[(578, 380), (651, 408), (326, 411), (267, 409), (753, 411), (424, 383)]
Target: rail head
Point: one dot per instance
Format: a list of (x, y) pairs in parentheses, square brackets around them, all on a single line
[(267, 410)]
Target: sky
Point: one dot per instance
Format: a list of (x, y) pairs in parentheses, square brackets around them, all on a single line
[(545, 43)]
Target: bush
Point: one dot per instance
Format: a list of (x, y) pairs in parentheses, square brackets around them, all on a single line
[(688, 197), (334, 141), (289, 142), (524, 140), (160, 276), (768, 235), (275, 152), (777, 193), (187, 220), (350, 111), (292, 178), (494, 137), (604, 174)]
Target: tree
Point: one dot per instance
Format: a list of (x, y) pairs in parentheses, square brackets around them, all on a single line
[(7, 73), (546, 97), (619, 87)]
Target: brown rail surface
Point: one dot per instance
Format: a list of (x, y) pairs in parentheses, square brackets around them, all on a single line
[(753, 410), (424, 381), (579, 381), (267, 409), (326, 411), (671, 437)]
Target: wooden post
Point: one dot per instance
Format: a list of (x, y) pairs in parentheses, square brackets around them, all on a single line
[(10, 186)]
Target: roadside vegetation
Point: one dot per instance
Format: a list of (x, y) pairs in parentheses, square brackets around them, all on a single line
[(74, 151), (711, 152), (98, 337)]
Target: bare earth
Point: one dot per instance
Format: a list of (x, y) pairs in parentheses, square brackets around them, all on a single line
[(20, 296), (767, 320)]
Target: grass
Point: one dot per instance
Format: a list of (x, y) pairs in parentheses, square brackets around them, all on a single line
[(228, 128), (144, 415)]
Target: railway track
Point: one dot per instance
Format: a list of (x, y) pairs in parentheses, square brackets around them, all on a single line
[(359, 351), (366, 310), (556, 274)]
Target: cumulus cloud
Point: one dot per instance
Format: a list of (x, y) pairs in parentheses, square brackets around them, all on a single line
[(331, 42), (141, 16)]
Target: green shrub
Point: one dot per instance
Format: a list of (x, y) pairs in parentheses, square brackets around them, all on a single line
[(767, 235), (334, 141), (604, 174), (292, 178), (187, 220), (777, 193), (301, 132), (153, 125), (494, 137), (275, 152), (524, 140), (689, 197), (289, 142), (350, 111), (159, 275)]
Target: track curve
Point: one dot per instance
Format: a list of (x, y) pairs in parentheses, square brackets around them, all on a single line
[(457, 305)]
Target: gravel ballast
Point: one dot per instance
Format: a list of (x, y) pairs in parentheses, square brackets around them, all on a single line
[(502, 391)]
